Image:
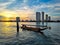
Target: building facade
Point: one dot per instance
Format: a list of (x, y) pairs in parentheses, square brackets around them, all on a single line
[(46, 17), (42, 16), (38, 16)]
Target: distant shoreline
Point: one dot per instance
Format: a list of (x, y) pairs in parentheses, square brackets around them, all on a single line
[(30, 21)]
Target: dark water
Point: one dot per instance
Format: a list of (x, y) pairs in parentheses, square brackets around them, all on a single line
[(9, 36)]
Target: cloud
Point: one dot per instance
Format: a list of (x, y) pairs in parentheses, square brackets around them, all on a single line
[(28, 8), (55, 17), (25, 1), (57, 4), (57, 8), (7, 13), (3, 4), (25, 10)]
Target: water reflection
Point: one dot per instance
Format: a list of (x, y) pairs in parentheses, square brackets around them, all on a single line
[(6, 30), (46, 23), (42, 23), (17, 34), (37, 24), (29, 37)]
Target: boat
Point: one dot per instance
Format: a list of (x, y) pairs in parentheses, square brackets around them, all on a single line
[(24, 27)]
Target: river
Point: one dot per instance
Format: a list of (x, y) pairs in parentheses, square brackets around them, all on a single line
[(9, 35)]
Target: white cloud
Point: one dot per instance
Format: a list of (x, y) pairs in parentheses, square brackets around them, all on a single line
[(27, 10), (4, 5), (58, 4), (43, 6), (57, 8), (55, 17), (25, 1)]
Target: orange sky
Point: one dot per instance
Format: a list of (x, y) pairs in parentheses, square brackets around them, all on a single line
[(22, 14)]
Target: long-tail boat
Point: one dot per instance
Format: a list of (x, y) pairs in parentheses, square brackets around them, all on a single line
[(33, 28)]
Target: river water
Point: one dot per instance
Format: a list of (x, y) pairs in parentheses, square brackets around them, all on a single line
[(9, 35)]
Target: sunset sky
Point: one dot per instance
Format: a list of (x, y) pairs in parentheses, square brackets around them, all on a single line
[(26, 9)]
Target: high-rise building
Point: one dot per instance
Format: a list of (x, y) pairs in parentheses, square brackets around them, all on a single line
[(46, 17), (42, 16), (38, 16), (49, 18)]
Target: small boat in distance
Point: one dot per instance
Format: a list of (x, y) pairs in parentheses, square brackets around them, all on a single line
[(24, 27)]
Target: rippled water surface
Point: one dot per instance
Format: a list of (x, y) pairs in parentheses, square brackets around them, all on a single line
[(9, 36)]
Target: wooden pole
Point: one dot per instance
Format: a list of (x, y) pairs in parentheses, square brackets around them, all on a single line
[(17, 21)]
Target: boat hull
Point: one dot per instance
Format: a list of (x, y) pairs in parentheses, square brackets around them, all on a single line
[(33, 29)]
